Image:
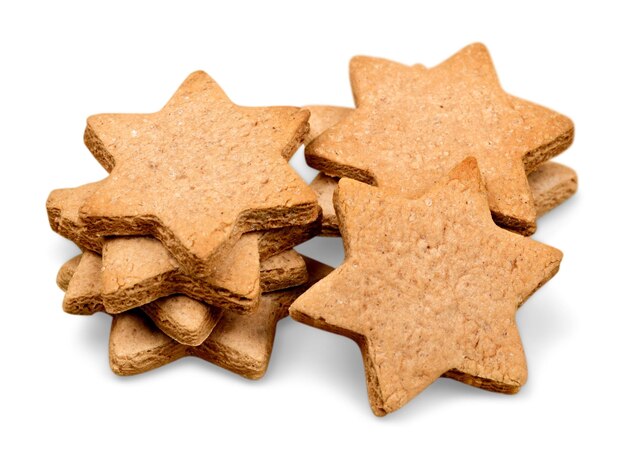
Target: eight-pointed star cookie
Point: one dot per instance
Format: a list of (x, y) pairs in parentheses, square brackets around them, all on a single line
[(198, 173), (412, 125), (429, 287)]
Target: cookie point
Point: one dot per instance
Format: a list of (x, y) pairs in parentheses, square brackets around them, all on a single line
[(467, 171), (350, 185)]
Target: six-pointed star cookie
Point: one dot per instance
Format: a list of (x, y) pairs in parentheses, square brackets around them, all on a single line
[(138, 270), (180, 317), (242, 344), (550, 183), (198, 173), (412, 125), (429, 287)]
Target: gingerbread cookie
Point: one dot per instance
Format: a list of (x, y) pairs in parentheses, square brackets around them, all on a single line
[(412, 125), (429, 287), (199, 173), (66, 272), (184, 319), (550, 184), (138, 270), (240, 343)]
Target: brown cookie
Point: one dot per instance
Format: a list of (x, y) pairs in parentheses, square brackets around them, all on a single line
[(322, 117), (66, 272), (550, 184), (242, 344), (199, 173), (287, 269), (138, 270), (180, 317), (412, 125), (429, 288)]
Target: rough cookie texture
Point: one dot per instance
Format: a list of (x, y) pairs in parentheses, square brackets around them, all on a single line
[(242, 344), (412, 125), (182, 318), (63, 207), (429, 287), (138, 270), (66, 272), (322, 117), (550, 184), (287, 269), (199, 173)]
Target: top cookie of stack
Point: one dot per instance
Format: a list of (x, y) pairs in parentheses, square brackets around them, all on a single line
[(197, 216)]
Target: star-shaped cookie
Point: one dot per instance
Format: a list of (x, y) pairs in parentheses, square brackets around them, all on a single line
[(180, 317), (550, 183), (138, 270), (429, 287), (412, 125), (198, 173), (241, 344)]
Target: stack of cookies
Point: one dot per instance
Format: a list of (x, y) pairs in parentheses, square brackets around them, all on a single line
[(188, 242), (443, 176), (434, 181)]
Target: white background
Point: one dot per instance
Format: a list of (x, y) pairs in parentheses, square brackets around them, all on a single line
[(61, 63)]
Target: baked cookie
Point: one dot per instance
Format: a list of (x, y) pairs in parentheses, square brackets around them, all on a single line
[(412, 125), (550, 185), (182, 318), (429, 288), (198, 174), (241, 344), (138, 270)]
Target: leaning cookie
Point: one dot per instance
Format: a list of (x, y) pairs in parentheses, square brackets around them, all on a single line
[(184, 319), (550, 184), (446, 301), (138, 270), (241, 344)]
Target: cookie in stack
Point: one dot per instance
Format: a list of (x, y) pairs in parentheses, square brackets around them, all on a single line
[(188, 242)]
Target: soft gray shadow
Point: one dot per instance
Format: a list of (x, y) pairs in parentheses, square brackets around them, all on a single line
[(62, 250), (443, 392), (543, 321), (94, 339), (332, 359), (328, 250), (561, 218), (94, 335)]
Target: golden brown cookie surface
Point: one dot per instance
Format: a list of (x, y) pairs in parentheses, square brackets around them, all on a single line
[(198, 173), (138, 270), (429, 287), (550, 184), (240, 343), (184, 319), (409, 130)]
